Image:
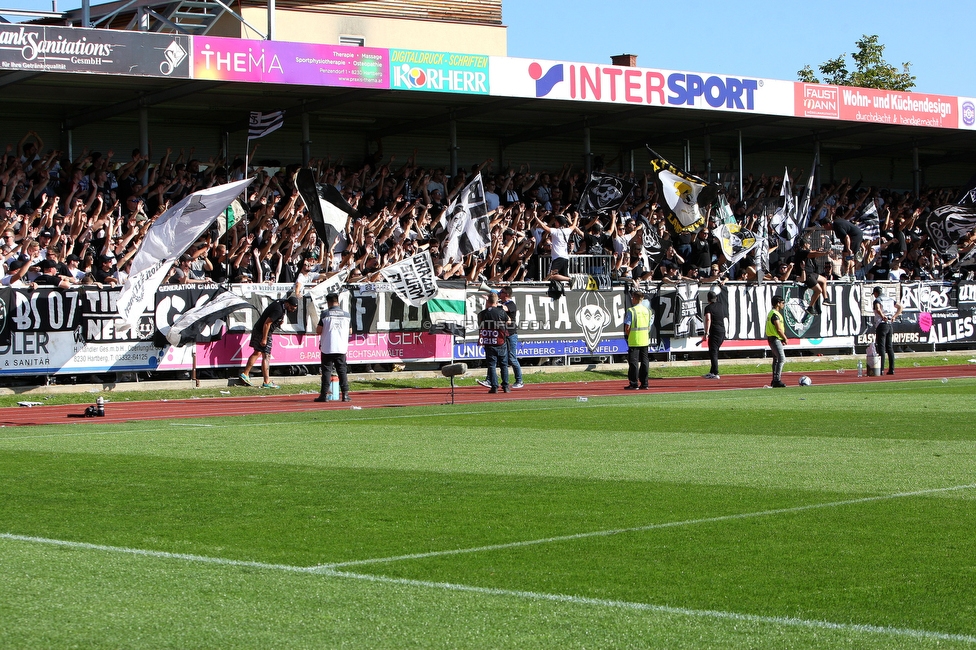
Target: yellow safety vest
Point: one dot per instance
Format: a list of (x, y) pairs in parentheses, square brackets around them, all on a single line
[(771, 331), (640, 326)]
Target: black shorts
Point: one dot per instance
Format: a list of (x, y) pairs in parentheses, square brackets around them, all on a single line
[(257, 347), (811, 283), (560, 266)]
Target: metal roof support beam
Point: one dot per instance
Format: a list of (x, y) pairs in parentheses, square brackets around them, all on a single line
[(16, 77), (713, 128), (151, 99), (447, 116), (571, 127), (964, 157), (815, 135), (166, 21), (899, 147), (306, 107)]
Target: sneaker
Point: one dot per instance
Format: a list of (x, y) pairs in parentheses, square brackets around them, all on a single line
[(245, 379), (270, 384), (631, 387), (484, 382), (891, 372), (346, 398), (506, 389), (518, 384), (778, 384), (645, 387), (321, 398), (492, 391), (710, 375)]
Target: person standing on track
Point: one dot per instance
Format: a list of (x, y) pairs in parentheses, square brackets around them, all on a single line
[(333, 330), (270, 320), (886, 311), (511, 341), (776, 337), (492, 332), (637, 331), (508, 305), (716, 314)]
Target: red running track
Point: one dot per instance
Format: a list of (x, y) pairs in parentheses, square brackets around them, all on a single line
[(269, 402)]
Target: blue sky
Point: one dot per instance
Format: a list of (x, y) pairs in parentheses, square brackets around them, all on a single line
[(757, 38)]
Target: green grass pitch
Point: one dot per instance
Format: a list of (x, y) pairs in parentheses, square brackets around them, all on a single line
[(824, 517)]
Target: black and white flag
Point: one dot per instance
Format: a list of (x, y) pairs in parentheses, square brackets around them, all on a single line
[(603, 193), (784, 221), (329, 211), (806, 196), (868, 222), (168, 237), (688, 319), (948, 224), (261, 124), (333, 284), (192, 325), (466, 222), (413, 279)]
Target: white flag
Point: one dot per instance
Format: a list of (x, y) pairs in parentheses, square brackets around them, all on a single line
[(168, 237), (413, 279), (466, 221), (261, 124), (320, 291)]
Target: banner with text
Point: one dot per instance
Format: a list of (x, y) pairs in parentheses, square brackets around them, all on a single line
[(234, 59), (40, 48)]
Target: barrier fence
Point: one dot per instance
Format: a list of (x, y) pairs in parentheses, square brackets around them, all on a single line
[(76, 331)]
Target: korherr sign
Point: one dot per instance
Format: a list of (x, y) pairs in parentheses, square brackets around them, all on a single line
[(439, 72)]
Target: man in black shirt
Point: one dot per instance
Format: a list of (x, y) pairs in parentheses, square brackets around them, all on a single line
[(269, 321), (851, 237), (598, 242), (492, 333), (49, 276), (716, 313), (701, 253), (804, 259), (104, 273)]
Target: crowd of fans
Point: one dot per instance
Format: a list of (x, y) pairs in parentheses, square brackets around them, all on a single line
[(67, 222)]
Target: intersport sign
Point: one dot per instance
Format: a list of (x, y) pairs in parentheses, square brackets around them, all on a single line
[(591, 82)]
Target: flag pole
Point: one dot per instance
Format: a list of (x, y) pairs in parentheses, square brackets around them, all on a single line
[(247, 151)]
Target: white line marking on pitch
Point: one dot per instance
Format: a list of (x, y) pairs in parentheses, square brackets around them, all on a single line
[(638, 529), (512, 593)]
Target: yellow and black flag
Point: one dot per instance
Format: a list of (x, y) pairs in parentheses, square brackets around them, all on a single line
[(686, 195)]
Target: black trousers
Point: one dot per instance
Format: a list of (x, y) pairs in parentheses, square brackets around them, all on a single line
[(714, 345), (336, 362), (638, 364), (884, 345)]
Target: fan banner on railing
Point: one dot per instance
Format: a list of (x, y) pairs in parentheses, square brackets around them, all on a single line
[(413, 279)]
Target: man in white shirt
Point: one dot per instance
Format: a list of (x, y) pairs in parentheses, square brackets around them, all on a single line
[(559, 236), (333, 330)]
